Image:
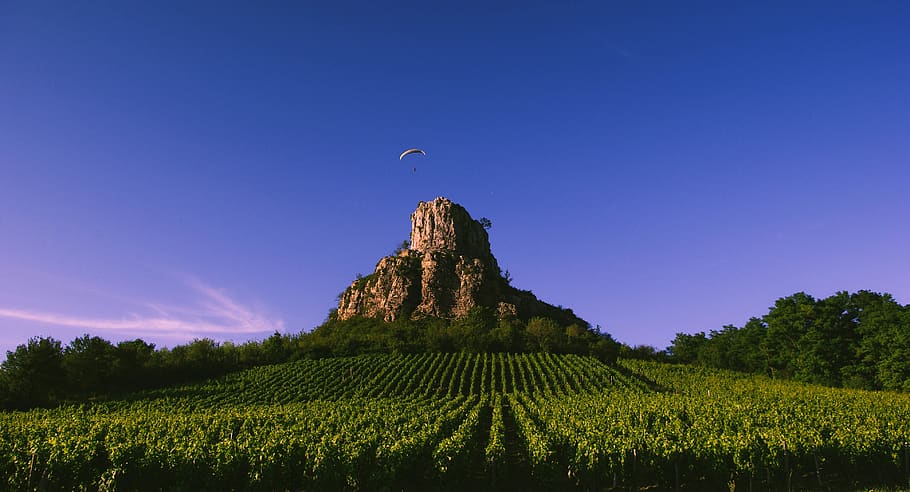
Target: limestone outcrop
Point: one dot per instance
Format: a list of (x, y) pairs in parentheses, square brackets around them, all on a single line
[(447, 270)]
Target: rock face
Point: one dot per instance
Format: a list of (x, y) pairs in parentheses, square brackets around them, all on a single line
[(447, 271), (441, 225)]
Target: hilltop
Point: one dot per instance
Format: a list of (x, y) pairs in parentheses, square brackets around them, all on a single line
[(446, 270)]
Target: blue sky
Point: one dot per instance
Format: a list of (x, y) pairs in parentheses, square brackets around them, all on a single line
[(171, 170)]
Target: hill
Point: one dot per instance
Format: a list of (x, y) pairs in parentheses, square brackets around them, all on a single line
[(445, 270), (487, 421), (442, 291), (434, 372)]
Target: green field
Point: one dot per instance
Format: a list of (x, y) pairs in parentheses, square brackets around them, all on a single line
[(489, 421)]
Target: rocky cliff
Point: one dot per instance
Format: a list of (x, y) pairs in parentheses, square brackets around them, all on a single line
[(447, 270)]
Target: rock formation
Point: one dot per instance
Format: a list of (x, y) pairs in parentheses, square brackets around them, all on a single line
[(447, 270)]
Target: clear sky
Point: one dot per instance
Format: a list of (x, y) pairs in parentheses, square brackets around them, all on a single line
[(171, 170)]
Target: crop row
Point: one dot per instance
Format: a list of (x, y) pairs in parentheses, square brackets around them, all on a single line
[(380, 376), (713, 426), (396, 421), (346, 444)]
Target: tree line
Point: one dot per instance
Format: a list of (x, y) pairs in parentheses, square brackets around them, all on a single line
[(859, 340), (44, 372)]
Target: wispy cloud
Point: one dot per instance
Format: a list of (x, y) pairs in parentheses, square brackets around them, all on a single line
[(214, 312)]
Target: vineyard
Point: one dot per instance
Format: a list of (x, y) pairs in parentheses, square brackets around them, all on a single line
[(487, 421)]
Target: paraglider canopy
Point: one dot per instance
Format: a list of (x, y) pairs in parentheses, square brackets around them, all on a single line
[(411, 151)]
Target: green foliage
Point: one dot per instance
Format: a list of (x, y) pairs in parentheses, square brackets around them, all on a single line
[(859, 340), (478, 331), (495, 452), (133, 364), (88, 362), (641, 352), (711, 428), (441, 421), (402, 247), (545, 335), (41, 373), (33, 374), (473, 331), (685, 348)]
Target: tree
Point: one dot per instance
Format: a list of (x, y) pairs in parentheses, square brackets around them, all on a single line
[(882, 335), (605, 348), (485, 222), (89, 363), (402, 247), (276, 349), (507, 336), (34, 372), (642, 352), (133, 364), (472, 331), (545, 335), (788, 321), (884, 349), (203, 357), (684, 349), (437, 337), (829, 343), (859, 340), (894, 368), (748, 346)]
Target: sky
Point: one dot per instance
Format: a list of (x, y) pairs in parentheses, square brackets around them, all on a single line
[(178, 170)]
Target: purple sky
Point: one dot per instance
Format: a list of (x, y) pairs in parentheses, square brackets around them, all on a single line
[(171, 171)]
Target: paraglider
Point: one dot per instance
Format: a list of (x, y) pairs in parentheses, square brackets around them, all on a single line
[(411, 151)]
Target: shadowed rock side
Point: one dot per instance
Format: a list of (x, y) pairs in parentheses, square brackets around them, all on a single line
[(447, 271)]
